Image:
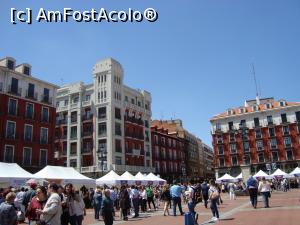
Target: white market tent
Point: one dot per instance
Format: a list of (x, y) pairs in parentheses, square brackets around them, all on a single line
[(12, 174), (110, 179), (128, 178), (140, 178), (296, 172), (261, 174), (65, 175), (226, 178), (239, 177), (279, 173), (152, 179)]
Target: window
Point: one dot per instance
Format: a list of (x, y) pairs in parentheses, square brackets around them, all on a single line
[(118, 130), (43, 157), (272, 132), (247, 159), (269, 120), (26, 156), (287, 142), (256, 122), (45, 114), (261, 157), (73, 162), (9, 154), (14, 88), (75, 99), (220, 150), (273, 143), (155, 139), (231, 137), (275, 157), (255, 108), (29, 111), (283, 118), (230, 125), (74, 132), (118, 145), (163, 141), (258, 133), (117, 113), (88, 147), (297, 116), (12, 107), (44, 135), (87, 98), (243, 124), (126, 98), (118, 160), (268, 106), (242, 110), (10, 64), (147, 123), (74, 117), (102, 129), (102, 113), (246, 146), (233, 148), (285, 130), (66, 102), (147, 135), (289, 155), (46, 95), (30, 91), (219, 139), (11, 130), (26, 70), (234, 161), (282, 103), (221, 162), (259, 145), (132, 101), (28, 132)]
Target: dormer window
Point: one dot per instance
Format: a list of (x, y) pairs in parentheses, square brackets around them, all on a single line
[(230, 112), (268, 106), (10, 64), (255, 108), (242, 110), (26, 70), (282, 103)]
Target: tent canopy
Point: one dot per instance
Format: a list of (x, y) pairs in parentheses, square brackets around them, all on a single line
[(155, 179), (140, 176), (65, 174), (109, 179), (279, 173), (261, 174), (14, 175), (239, 177), (296, 172), (226, 178)]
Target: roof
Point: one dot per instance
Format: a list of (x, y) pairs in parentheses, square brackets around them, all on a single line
[(250, 108)]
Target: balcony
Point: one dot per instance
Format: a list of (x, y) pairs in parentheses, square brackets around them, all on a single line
[(46, 99), (87, 118), (87, 134), (220, 152), (219, 141), (259, 149), (11, 136), (33, 96), (86, 103), (43, 141), (233, 152), (73, 136), (15, 91)]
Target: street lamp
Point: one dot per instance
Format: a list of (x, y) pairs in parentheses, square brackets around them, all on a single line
[(102, 153)]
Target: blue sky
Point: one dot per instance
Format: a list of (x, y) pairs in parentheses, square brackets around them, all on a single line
[(195, 59)]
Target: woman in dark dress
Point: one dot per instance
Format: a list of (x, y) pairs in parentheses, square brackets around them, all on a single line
[(124, 202)]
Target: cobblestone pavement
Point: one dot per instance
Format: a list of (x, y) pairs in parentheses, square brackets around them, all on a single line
[(284, 210)]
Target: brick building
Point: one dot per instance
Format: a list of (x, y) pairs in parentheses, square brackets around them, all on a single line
[(104, 125), (168, 154), (262, 134), (27, 117)]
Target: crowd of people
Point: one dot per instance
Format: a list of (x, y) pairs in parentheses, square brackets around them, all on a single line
[(59, 205)]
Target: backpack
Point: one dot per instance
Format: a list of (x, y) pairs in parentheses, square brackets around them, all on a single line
[(197, 197)]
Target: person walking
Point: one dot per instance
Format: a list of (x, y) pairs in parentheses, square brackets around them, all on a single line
[(214, 196), (232, 188), (252, 188), (143, 196), (107, 208), (79, 208), (150, 196), (8, 214), (29, 195), (166, 198), (204, 189), (97, 201), (265, 189), (37, 202), (52, 210), (124, 202), (135, 198), (175, 192)]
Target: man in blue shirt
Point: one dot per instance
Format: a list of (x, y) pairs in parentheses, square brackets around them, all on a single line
[(252, 186), (176, 191)]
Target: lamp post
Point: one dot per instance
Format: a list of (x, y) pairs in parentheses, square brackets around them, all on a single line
[(101, 158)]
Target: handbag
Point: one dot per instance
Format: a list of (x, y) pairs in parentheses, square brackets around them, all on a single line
[(43, 222)]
